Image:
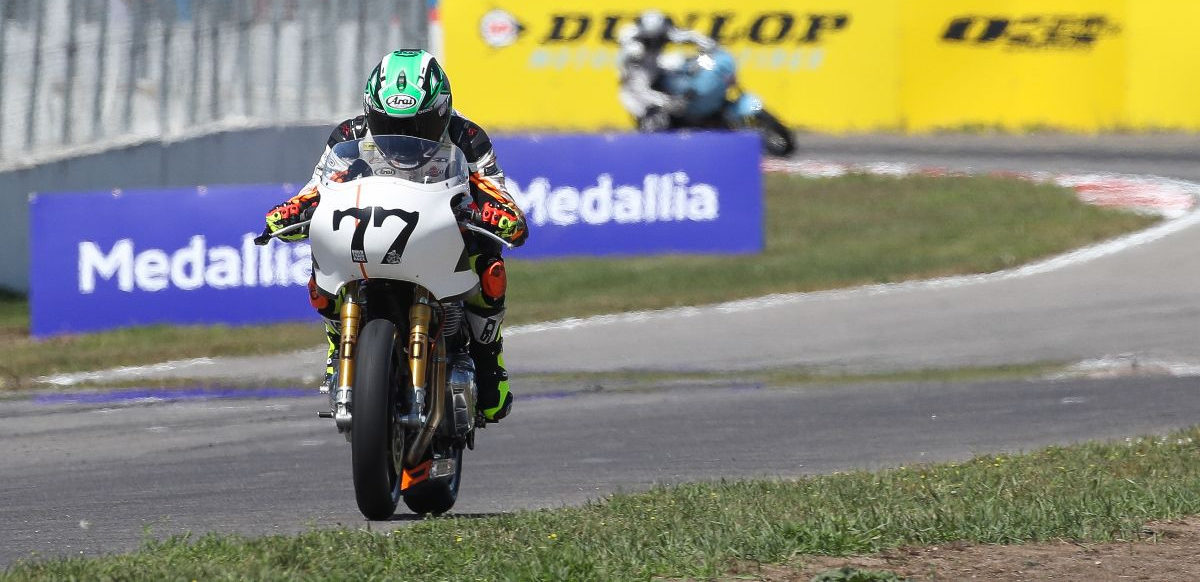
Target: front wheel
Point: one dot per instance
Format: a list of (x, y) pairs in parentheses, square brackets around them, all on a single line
[(777, 140), (376, 476)]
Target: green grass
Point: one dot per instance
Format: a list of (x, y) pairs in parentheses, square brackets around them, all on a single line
[(788, 377), (831, 233), (820, 234), (1089, 492)]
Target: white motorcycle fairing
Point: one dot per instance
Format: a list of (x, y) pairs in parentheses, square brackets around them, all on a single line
[(381, 227)]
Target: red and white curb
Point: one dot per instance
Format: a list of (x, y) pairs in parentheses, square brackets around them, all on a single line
[(1151, 194)]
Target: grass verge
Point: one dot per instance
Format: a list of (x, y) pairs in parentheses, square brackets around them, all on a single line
[(820, 234), (1088, 492)]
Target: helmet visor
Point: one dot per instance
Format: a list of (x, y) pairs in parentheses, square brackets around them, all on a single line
[(428, 125)]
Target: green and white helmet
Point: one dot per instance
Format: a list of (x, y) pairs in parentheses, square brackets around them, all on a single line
[(408, 94)]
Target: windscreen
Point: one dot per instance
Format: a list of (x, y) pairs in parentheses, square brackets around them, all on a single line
[(395, 156)]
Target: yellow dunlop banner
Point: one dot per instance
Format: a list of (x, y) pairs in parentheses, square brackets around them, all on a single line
[(538, 64), (1163, 65), (1015, 64), (849, 65)]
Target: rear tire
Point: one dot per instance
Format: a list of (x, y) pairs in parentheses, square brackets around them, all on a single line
[(777, 140), (436, 496), (376, 478)]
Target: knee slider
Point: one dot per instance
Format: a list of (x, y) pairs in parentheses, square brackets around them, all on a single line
[(326, 304), (493, 280)]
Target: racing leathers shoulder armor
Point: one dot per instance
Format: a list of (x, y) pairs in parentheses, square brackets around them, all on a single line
[(492, 203)]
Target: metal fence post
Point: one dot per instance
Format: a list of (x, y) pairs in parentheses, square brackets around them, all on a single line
[(101, 71), (194, 94), (329, 62), (137, 35), (72, 56), (360, 41), (3, 30), (274, 64), (214, 44), (169, 18), (245, 57), (30, 120), (304, 21)]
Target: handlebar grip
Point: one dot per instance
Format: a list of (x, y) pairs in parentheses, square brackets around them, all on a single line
[(263, 238)]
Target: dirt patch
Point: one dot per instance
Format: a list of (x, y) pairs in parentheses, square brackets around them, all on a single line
[(1167, 551)]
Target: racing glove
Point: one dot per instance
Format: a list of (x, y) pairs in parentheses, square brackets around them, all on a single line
[(497, 219), (296, 210)]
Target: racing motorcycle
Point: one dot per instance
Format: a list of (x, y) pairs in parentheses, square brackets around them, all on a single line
[(707, 84), (386, 237)]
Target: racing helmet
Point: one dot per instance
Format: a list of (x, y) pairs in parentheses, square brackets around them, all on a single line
[(408, 94), (652, 29)]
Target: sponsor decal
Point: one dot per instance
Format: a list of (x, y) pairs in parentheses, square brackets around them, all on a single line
[(126, 268), (97, 263), (400, 101), (658, 198), (772, 28), (499, 28), (635, 194), (772, 40), (1031, 32)]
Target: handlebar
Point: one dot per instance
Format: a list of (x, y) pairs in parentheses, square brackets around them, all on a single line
[(486, 233), (266, 235)]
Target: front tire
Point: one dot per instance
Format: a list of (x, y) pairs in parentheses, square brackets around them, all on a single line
[(777, 140), (376, 477)]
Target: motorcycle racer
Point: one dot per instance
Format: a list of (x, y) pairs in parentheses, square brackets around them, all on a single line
[(641, 45), (408, 93)]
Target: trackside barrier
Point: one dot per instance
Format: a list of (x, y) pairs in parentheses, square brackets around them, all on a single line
[(101, 260), (848, 65)]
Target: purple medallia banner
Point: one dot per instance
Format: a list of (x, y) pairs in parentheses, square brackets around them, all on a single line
[(636, 194), (102, 260)]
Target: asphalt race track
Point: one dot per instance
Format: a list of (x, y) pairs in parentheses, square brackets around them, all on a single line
[(97, 477)]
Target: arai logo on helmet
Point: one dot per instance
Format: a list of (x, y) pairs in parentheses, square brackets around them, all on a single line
[(499, 28), (400, 101)]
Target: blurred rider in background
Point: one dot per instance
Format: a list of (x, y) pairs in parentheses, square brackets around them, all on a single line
[(408, 93), (642, 44)]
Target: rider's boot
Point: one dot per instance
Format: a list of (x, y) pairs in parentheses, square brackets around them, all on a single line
[(485, 314), (327, 305), (495, 396), (333, 337)]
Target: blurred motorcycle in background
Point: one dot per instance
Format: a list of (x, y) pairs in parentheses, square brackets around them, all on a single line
[(707, 96)]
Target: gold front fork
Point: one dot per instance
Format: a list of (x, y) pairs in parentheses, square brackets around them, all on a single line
[(351, 323), (419, 316)]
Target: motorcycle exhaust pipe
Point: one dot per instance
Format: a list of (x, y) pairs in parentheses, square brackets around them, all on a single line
[(419, 318)]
